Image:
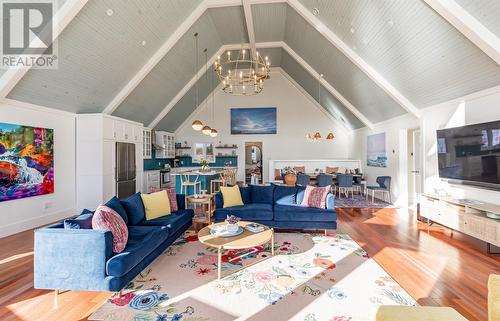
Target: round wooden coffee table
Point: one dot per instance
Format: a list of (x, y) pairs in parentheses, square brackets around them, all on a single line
[(245, 240)]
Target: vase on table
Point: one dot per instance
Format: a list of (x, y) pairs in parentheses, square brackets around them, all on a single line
[(290, 179), (232, 228)]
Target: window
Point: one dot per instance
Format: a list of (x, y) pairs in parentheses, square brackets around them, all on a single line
[(203, 151)]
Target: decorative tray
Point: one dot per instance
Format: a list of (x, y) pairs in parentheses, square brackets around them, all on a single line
[(221, 231)]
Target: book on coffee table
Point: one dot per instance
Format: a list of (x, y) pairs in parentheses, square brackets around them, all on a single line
[(255, 228)]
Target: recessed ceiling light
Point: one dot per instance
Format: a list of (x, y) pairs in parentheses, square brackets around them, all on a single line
[(353, 30), (143, 42), (315, 11), (365, 41), (390, 23), (110, 12)]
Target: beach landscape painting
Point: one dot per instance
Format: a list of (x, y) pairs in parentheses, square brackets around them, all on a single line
[(375, 151), (253, 121), (26, 161)]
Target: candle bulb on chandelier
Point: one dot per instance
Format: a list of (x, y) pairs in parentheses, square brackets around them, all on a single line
[(244, 92)]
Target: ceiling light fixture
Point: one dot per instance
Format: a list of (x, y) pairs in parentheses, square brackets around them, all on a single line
[(213, 132), (245, 75), (317, 136), (206, 130), (196, 124)]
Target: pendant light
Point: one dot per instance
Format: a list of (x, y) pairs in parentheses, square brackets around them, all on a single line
[(214, 131), (206, 129), (317, 135), (197, 125)]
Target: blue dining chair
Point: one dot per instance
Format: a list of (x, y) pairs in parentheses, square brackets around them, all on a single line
[(303, 179), (324, 180), (344, 185), (384, 186)]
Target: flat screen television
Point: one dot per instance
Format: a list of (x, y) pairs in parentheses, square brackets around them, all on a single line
[(470, 154)]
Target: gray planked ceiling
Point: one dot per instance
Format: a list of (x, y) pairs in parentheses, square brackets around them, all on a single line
[(486, 11), (407, 42)]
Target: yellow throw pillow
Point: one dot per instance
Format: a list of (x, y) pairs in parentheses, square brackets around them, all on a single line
[(231, 196), (156, 204)]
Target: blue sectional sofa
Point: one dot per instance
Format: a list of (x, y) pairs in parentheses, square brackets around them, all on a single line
[(82, 259), (278, 206)]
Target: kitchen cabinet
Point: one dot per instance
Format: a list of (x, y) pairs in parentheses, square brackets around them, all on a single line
[(165, 144), (96, 138), (147, 147)]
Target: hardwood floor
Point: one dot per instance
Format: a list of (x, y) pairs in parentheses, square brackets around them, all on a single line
[(436, 268)]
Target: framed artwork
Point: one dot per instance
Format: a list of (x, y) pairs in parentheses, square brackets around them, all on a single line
[(376, 153), (248, 121), (26, 161)]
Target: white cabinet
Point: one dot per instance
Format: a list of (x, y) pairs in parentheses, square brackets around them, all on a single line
[(166, 141), (96, 138), (146, 143)]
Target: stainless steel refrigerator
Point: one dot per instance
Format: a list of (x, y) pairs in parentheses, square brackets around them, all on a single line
[(125, 170)]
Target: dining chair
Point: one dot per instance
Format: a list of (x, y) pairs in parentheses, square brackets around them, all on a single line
[(324, 180), (186, 182), (344, 185), (303, 179), (358, 184), (384, 186)]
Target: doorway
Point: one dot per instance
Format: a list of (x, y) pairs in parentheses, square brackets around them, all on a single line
[(253, 163), (414, 166)]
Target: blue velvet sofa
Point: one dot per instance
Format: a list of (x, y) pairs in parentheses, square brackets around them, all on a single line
[(279, 207), (82, 259)]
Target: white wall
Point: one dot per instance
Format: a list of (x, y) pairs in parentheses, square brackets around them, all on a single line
[(297, 116), (23, 214), (476, 108)]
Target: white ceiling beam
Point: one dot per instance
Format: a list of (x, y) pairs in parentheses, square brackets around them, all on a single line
[(191, 83), (247, 9), (60, 21), (354, 57), (329, 87), (155, 59), (469, 26)]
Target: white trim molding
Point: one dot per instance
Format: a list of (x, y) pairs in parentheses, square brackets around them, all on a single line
[(247, 9), (469, 26), (61, 20)]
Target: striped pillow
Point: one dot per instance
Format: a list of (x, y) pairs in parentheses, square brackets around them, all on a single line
[(106, 219)]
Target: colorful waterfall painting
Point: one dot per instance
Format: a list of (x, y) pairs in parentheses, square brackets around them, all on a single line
[(26, 161)]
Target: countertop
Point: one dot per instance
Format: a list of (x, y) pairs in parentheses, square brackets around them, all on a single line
[(196, 170)]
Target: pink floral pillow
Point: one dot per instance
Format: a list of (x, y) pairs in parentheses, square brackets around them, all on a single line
[(106, 219), (315, 196), (172, 198)]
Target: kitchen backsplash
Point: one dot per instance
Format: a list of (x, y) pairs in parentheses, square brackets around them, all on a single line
[(156, 163)]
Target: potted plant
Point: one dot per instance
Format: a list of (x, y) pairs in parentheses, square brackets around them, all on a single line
[(204, 165), (232, 223), (289, 175)]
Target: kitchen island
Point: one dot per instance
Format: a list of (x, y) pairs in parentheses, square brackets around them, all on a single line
[(205, 177)]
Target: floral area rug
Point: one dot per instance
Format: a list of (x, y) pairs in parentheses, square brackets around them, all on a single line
[(360, 201), (310, 278)]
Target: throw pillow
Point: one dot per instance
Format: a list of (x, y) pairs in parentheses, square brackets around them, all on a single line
[(172, 198), (315, 196), (331, 170), (106, 219), (156, 204), (231, 196), (135, 209), (116, 205), (83, 221), (300, 169)]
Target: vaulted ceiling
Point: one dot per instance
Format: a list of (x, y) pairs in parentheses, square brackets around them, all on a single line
[(380, 59)]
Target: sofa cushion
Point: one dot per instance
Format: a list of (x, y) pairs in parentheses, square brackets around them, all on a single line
[(262, 194), (174, 221), (305, 214), (156, 204), (249, 212), (117, 206), (231, 196), (135, 208), (285, 195), (246, 194), (301, 190), (106, 219), (82, 221), (172, 198), (142, 241), (315, 196)]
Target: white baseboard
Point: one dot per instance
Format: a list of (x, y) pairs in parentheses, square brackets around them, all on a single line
[(36, 222)]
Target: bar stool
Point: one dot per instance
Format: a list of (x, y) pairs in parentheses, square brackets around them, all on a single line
[(186, 183), (216, 184)]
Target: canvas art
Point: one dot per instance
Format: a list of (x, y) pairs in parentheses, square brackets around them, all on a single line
[(253, 121), (375, 151), (26, 161)]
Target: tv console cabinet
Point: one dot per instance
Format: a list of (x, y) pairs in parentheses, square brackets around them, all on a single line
[(463, 215)]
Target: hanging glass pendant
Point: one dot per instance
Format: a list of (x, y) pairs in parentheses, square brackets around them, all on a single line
[(214, 133), (197, 125), (206, 130)]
